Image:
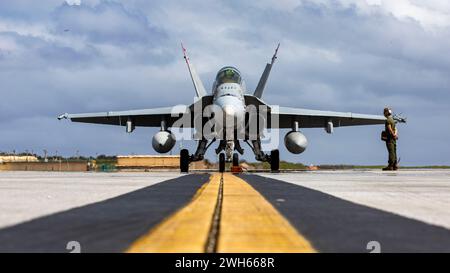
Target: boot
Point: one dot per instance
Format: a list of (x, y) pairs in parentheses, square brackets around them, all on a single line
[(395, 166), (388, 168)]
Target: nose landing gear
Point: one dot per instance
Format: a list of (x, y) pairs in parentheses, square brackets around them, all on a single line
[(235, 160), (221, 162)]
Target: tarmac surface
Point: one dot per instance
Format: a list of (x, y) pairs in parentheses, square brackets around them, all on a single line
[(318, 211)]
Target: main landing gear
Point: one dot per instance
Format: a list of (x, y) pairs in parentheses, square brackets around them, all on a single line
[(184, 161), (228, 156), (275, 160), (199, 154)]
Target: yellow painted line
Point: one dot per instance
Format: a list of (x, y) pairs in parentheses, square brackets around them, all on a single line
[(187, 229), (249, 223)]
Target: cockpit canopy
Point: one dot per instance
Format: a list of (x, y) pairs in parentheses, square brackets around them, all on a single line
[(228, 75)]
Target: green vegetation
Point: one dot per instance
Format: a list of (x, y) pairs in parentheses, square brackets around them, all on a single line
[(106, 163), (104, 159), (284, 165)]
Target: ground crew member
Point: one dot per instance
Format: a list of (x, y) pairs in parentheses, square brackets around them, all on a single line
[(390, 136)]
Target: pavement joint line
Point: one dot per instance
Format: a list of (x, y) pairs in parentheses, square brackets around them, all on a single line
[(187, 229), (225, 215), (213, 235)]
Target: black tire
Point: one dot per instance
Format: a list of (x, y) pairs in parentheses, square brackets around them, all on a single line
[(184, 161), (275, 160), (222, 162), (235, 160)]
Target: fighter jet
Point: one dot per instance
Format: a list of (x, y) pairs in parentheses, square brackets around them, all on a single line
[(229, 115)]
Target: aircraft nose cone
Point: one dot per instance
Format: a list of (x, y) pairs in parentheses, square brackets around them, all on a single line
[(228, 111)]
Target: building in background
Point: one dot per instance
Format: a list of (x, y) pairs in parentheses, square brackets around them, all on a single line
[(17, 158)]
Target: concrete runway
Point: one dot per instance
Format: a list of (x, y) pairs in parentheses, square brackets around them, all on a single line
[(321, 211)]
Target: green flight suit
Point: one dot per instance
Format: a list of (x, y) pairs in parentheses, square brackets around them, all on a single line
[(391, 142)]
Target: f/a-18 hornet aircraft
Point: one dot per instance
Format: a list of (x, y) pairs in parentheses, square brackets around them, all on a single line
[(230, 116)]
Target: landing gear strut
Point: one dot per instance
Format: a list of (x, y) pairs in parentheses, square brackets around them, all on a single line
[(273, 158), (199, 154)]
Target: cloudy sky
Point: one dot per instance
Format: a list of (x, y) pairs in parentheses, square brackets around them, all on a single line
[(74, 56)]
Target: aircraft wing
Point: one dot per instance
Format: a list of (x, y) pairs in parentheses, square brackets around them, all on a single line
[(318, 119), (143, 117)]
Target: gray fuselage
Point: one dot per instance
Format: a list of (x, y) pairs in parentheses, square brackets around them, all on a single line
[(228, 99)]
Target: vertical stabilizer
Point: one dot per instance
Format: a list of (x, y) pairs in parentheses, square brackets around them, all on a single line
[(265, 75), (198, 85)]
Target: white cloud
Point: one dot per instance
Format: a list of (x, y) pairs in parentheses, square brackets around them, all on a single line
[(7, 44), (430, 14), (73, 2), (283, 5)]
